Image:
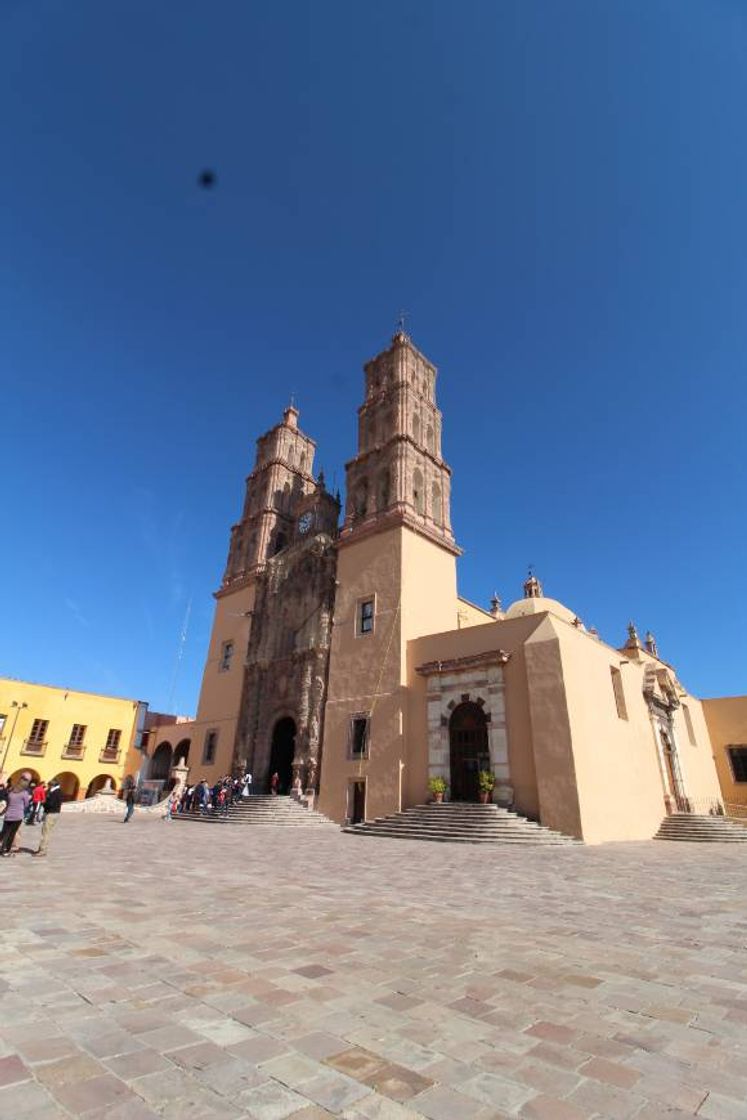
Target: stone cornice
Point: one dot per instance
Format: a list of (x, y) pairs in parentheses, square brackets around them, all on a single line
[(393, 519), (400, 437), (471, 661)]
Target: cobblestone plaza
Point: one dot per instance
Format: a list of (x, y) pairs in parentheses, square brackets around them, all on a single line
[(175, 970)]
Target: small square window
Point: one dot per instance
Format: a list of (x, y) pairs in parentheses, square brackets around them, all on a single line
[(359, 731), (211, 745), (226, 654), (738, 759), (366, 616)]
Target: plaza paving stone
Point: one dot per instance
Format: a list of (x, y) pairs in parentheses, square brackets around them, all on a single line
[(161, 970)]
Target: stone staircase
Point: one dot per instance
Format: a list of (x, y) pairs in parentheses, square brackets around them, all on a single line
[(259, 810), (701, 829), (461, 823)]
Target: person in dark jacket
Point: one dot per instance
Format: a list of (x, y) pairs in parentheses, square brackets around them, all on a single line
[(52, 806), (129, 801)]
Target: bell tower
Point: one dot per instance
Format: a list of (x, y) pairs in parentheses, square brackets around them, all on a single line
[(399, 475), (281, 478), (396, 580)]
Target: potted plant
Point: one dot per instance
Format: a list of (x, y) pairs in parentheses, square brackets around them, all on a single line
[(437, 786), (486, 783)]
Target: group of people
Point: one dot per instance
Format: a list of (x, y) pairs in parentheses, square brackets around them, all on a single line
[(204, 798), (29, 802)]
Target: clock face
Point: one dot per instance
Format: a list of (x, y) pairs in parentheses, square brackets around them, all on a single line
[(305, 522)]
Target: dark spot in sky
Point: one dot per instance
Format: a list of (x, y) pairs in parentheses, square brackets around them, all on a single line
[(206, 179)]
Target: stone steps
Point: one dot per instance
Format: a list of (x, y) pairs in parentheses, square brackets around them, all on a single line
[(261, 810), (701, 829), (460, 823)]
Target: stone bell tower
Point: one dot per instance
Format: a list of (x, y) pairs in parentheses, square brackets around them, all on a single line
[(398, 475), (396, 580), (281, 478)]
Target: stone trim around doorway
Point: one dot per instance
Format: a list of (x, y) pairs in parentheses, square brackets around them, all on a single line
[(481, 683)]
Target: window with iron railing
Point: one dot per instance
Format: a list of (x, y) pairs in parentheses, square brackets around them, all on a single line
[(110, 753), (112, 739), (37, 740), (74, 746)]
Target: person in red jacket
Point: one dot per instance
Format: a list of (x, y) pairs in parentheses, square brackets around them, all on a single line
[(38, 796)]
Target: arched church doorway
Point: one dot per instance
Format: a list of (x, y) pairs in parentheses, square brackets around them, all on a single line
[(160, 763), (469, 751), (282, 751)]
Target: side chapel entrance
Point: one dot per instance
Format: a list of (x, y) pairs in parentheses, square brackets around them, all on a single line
[(469, 751), (281, 753)]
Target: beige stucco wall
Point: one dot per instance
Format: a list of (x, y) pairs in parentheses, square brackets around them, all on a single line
[(726, 720), (413, 582), (619, 784), (469, 614), (220, 691), (616, 761)]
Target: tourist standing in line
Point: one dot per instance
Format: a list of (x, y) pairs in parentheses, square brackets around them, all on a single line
[(52, 807), (129, 802), (19, 799)]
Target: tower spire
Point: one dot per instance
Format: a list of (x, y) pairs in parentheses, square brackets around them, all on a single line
[(532, 586)]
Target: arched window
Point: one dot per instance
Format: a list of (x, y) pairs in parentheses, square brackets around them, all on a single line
[(280, 542), (417, 490), (360, 507), (416, 428), (384, 490), (429, 439), (438, 508)]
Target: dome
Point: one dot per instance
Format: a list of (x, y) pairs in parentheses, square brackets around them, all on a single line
[(538, 604)]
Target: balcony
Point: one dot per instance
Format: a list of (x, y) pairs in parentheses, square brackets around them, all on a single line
[(73, 751), (109, 755), (36, 747)]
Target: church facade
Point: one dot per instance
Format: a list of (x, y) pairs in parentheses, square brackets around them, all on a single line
[(343, 659)]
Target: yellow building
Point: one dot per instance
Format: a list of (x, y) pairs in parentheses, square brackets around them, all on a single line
[(726, 717), (80, 738)]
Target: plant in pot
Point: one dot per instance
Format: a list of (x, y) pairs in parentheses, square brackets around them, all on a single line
[(486, 784), (437, 786)]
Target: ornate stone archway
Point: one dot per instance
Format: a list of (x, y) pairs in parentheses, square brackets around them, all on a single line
[(479, 680)]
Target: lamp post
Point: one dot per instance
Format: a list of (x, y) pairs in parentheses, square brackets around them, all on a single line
[(18, 707)]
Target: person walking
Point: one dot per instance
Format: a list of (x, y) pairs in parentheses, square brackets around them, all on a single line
[(129, 802), (19, 800), (274, 784), (52, 807)]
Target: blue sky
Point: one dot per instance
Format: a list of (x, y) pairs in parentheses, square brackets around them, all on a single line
[(555, 192)]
